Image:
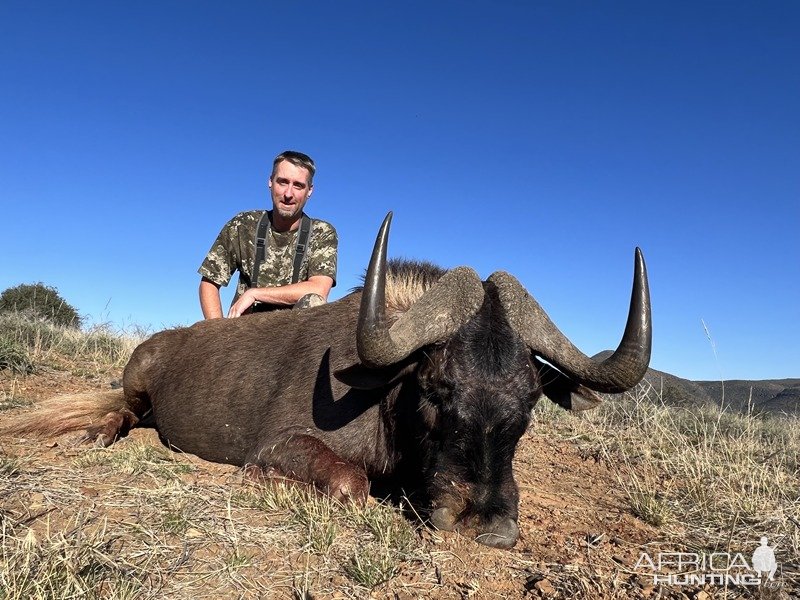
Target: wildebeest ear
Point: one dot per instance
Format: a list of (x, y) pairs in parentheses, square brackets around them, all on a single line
[(562, 390), (363, 378)]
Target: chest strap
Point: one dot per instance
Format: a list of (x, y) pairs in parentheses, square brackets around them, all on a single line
[(262, 235)]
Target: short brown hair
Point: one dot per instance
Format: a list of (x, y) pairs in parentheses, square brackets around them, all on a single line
[(298, 159)]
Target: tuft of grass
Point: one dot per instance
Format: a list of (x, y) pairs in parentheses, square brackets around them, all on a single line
[(15, 357), (387, 526), (99, 345), (646, 499), (317, 517), (177, 519), (236, 560), (273, 497), (315, 514), (79, 561), (371, 542), (135, 458), (371, 565), (10, 466), (386, 540), (10, 400)]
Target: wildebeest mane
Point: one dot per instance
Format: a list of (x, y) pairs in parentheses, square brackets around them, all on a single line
[(406, 281)]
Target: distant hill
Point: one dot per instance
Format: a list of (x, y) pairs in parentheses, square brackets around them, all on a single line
[(767, 395)]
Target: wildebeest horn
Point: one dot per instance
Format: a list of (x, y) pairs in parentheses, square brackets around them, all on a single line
[(445, 307), (620, 371)]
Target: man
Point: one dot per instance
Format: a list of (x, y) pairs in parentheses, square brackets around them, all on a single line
[(291, 185)]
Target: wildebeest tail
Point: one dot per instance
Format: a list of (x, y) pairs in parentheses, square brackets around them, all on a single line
[(63, 414)]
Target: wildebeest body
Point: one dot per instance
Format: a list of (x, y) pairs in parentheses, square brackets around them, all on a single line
[(213, 395)]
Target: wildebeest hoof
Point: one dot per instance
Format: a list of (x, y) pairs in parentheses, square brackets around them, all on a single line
[(349, 485), (499, 533), (255, 473), (96, 437), (109, 428), (347, 493), (444, 518), (103, 441)]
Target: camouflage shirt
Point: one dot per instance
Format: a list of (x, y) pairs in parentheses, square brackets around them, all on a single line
[(235, 250)]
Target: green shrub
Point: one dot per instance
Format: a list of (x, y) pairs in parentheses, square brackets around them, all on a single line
[(42, 301)]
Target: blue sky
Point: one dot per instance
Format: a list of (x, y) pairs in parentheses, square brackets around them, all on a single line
[(547, 139)]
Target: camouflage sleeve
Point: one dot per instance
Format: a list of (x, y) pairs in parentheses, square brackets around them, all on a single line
[(221, 261), (323, 250)]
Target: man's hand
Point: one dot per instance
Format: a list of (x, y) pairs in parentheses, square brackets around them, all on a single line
[(285, 295), (245, 301)]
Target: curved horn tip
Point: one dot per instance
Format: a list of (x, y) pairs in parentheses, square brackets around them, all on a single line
[(384, 228), (639, 255), (381, 240), (639, 266)]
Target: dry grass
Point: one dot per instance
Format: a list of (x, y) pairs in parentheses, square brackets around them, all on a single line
[(154, 532), (137, 521), (713, 481), (28, 343)]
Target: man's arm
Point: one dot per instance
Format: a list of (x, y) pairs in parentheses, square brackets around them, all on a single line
[(209, 299), (284, 295)]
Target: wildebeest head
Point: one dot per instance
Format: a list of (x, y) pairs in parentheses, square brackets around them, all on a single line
[(479, 377)]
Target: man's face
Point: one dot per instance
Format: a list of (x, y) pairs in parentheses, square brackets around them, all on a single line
[(290, 189)]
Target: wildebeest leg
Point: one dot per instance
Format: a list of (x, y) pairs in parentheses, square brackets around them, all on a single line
[(118, 422), (134, 401), (270, 476), (304, 458), (111, 427)]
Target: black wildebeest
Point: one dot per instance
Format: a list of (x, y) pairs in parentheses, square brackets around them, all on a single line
[(425, 372)]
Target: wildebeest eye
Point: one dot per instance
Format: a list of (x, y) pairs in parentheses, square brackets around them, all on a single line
[(432, 377), (430, 412), (438, 390)]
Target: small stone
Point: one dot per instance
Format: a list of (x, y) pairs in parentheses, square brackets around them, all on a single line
[(36, 502), (545, 587)]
